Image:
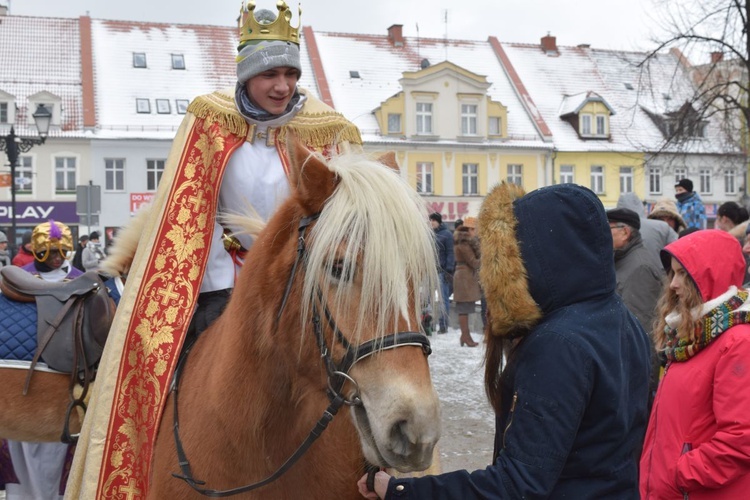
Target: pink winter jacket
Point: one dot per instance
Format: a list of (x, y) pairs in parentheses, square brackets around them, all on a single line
[(698, 437)]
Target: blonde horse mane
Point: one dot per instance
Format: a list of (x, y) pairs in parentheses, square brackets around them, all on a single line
[(382, 225)]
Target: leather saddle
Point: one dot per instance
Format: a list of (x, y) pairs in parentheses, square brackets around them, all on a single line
[(74, 317)]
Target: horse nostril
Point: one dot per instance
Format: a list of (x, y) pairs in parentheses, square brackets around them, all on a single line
[(400, 442)]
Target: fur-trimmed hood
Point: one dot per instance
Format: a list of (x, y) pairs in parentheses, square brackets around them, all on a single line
[(542, 251)]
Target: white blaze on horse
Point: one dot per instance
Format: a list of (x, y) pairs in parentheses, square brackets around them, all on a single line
[(257, 381)]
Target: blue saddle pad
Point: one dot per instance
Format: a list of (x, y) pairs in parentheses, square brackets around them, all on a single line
[(17, 329)]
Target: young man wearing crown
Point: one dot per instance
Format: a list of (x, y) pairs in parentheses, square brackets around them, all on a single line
[(228, 153), (38, 469)]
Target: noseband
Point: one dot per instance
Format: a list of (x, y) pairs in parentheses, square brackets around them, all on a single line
[(337, 374)]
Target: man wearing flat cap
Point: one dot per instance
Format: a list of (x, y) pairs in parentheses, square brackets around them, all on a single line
[(638, 271)]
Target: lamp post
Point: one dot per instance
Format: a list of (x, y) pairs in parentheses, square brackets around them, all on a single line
[(13, 146)]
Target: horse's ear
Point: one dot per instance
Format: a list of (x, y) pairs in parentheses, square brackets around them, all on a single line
[(389, 160), (311, 179)]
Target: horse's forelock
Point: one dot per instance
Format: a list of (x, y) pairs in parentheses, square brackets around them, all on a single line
[(382, 225)]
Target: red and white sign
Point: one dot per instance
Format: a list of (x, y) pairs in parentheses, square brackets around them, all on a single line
[(138, 200)]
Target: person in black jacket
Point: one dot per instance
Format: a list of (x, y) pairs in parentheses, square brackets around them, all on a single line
[(447, 262), (571, 400), (77, 258)]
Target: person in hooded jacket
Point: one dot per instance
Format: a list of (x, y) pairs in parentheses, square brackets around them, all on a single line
[(698, 439), (571, 400)]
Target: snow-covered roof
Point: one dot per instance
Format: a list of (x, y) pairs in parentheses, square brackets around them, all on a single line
[(39, 54), (380, 65)]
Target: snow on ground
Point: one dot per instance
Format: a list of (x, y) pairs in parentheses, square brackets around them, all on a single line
[(468, 422)]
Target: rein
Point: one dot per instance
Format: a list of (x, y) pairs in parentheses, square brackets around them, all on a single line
[(337, 375)]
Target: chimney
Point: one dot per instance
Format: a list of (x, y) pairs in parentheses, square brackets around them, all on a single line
[(549, 44), (717, 57), (3, 10), (396, 35)]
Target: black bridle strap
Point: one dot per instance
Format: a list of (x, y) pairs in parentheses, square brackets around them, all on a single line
[(303, 224), (187, 474)]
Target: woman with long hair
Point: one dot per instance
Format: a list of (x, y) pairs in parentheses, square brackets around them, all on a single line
[(698, 438)]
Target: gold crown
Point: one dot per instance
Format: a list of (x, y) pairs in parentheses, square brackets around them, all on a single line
[(280, 29)]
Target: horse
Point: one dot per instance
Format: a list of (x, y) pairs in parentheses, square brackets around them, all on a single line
[(344, 257)]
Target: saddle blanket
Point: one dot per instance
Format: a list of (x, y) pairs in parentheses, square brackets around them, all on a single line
[(17, 329)]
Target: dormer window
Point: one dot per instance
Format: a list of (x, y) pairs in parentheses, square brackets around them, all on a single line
[(139, 59), (394, 123), (7, 108), (178, 61), (495, 125), (594, 125), (588, 113), (684, 123)]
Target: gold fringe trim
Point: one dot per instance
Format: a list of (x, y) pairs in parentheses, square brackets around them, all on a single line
[(317, 125), (217, 108)]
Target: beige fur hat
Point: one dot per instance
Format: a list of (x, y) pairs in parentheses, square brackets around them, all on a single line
[(667, 208)]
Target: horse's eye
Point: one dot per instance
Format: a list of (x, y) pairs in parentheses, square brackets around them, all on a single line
[(340, 272)]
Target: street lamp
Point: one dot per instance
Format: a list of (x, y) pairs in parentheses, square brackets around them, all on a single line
[(13, 146)]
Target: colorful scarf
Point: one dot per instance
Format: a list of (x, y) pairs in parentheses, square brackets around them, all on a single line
[(708, 328)]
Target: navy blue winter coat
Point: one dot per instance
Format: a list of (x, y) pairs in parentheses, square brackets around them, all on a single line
[(444, 243), (575, 389)]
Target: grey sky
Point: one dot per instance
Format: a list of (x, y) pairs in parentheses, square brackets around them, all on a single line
[(615, 24)]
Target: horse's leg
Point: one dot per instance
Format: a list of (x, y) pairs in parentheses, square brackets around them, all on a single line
[(38, 416)]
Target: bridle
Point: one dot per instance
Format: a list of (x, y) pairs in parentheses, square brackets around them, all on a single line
[(337, 375)]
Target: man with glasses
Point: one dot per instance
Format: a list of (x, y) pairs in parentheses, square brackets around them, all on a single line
[(639, 275)]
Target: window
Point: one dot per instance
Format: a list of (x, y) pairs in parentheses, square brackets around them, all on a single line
[(154, 169), (470, 178), (468, 119), (626, 180), (679, 174), (654, 180), (515, 174), (424, 177), (181, 105), (65, 175), (142, 106), (705, 180), (24, 175), (730, 177), (354, 74), (114, 172), (394, 123), (163, 107), (495, 126), (601, 125), (139, 59), (585, 124), (424, 118), (178, 61), (3, 112), (597, 179), (566, 174)]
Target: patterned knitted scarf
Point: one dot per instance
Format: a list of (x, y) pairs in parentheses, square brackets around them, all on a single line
[(712, 324)]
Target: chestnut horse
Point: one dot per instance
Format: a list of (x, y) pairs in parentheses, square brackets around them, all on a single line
[(255, 383)]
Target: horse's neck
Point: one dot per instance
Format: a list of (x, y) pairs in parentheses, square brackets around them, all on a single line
[(256, 377)]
